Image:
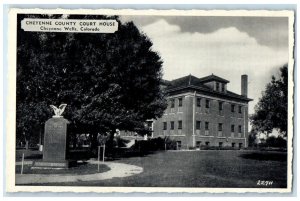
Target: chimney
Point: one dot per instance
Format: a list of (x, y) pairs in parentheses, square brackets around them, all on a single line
[(244, 85)]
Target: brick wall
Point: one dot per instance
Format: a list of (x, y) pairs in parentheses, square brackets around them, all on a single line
[(212, 115)]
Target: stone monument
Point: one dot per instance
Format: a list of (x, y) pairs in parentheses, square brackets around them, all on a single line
[(55, 141)]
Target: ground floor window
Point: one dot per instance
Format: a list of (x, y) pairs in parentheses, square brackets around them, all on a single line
[(220, 144), (233, 144), (207, 143), (178, 145), (240, 145), (198, 144)]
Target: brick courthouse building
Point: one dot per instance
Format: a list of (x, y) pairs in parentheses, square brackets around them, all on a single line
[(201, 111)]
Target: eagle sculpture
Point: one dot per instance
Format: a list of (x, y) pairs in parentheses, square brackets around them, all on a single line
[(58, 111)]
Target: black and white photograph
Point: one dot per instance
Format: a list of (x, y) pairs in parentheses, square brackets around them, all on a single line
[(113, 100)]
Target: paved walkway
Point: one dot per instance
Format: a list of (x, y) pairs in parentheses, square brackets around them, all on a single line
[(116, 170)]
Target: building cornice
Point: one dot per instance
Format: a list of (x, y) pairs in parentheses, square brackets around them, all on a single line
[(211, 93), (190, 94)]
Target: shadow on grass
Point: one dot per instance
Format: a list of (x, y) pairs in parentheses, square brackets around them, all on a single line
[(265, 156), (86, 154)]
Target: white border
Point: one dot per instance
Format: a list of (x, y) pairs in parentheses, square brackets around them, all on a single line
[(10, 166)]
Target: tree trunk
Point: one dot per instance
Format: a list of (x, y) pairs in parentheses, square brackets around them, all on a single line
[(26, 144), (94, 143), (110, 143)]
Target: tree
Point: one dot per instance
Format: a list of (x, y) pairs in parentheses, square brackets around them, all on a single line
[(109, 81), (252, 138), (271, 110), (278, 141)]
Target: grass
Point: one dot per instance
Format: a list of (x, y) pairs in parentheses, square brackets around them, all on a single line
[(228, 169)]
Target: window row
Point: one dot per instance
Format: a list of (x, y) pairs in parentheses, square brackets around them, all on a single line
[(220, 126), (207, 104), (198, 126), (172, 125), (207, 143)]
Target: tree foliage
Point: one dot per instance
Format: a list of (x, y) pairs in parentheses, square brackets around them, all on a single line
[(109, 81), (278, 141), (271, 110)]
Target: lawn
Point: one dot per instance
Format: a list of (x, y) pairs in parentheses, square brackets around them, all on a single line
[(202, 169)]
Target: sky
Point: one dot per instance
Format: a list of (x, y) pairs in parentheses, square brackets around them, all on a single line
[(224, 46)]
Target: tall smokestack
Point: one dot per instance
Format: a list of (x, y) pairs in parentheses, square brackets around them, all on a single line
[(244, 85)]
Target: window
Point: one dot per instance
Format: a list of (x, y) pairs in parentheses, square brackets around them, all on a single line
[(207, 103), (172, 103), (220, 127), (198, 144), (233, 144), (172, 125), (240, 129), (178, 143), (198, 102), (220, 144), (179, 124), (149, 124), (223, 87), (240, 145), (232, 108), (218, 86), (179, 102), (220, 106), (240, 109), (232, 128), (198, 125), (206, 125), (165, 125), (207, 143)]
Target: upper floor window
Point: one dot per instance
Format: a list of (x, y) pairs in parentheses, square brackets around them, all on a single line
[(179, 124), (172, 125), (179, 102), (220, 127), (223, 87), (198, 125), (206, 125), (232, 128), (218, 86), (207, 103), (232, 108), (220, 106), (165, 125), (172, 103), (240, 129), (198, 102), (240, 109)]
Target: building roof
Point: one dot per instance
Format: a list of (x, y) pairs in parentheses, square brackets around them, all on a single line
[(213, 77), (185, 81), (194, 83)]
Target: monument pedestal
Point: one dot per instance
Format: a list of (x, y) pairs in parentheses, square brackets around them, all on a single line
[(55, 145), (53, 164)]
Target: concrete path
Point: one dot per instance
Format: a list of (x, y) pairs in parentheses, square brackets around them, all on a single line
[(116, 170)]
